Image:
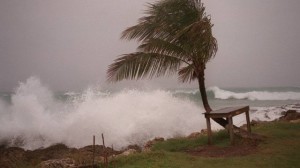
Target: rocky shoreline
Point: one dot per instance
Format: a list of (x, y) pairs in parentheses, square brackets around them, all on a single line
[(59, 155)]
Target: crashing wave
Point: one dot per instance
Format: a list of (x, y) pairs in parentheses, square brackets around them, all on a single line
[(35, 118), (254, 95)]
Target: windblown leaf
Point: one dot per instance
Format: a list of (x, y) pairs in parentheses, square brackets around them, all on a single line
[(140, 65), (159, 46), (187, 74)]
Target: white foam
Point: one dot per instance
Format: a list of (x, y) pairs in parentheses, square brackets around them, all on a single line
[(254, 95), (193, 92), (126, 117)]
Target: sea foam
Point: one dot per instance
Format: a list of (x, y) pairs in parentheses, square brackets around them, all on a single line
[(35, 119), (254, 95)]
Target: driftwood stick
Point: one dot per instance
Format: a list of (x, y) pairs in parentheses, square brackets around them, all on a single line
[(94, 139)]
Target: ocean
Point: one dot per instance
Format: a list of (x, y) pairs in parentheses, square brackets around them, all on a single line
[(33, 116)]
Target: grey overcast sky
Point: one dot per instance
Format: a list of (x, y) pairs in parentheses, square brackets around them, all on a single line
[(69, 44)]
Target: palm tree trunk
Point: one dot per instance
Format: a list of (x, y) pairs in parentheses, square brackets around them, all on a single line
[(203, 93), (201, 81)]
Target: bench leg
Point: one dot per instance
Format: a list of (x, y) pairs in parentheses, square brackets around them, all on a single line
[(227, 127), (208, 130), (248, 122), (230, 129)]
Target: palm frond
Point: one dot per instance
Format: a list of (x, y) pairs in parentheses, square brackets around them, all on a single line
[(140, 65), (146, 28), (163, 20), (164, 47), (199, 40), (187, 74)]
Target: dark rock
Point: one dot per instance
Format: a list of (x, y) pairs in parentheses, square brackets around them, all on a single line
[(58, 163), (135, 147), (128, 152), (13, 152), (9, 156), (204, 132), (283, 113), (158, 139), (197, 134), (52, 152), (149, 144), (194, 135), (290, 115), (253, 123), (256, 122)]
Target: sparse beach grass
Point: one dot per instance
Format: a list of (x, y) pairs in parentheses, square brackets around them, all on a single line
[(280, 149), (182, 144)]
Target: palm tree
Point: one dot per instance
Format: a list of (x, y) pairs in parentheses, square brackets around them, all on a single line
[(175, 37)]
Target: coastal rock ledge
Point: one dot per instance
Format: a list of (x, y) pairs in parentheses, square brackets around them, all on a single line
[(58, 163), (290, 115)]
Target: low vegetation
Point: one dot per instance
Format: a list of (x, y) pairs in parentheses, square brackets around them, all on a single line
[(281, 148)]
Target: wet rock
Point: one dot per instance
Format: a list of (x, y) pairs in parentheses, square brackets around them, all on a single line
[(296, 106), (128, 152), (204, 131), (283, 113), (267, 116), (9, 156), (158, 139), (56, 151), (58, 163), (290, 115), (99, 149), (12, 152), (135, 147), (253, 123), (197, 134), (295, 121), (149, 144), (194, 135)]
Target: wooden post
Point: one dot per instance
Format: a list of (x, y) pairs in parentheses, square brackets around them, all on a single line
[(112, 156), (103, 140), (227, 127), (208, 130), (248, 122), (105, 154), (230, 129), (94, 138)]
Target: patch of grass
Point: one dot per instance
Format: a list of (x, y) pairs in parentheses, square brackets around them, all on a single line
[(279, 130), (281, 149), (179, 144), (182, 144)]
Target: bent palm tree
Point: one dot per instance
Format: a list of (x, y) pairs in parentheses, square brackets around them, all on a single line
[(176, 37)]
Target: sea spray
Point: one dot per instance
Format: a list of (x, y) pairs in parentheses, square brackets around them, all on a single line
[(32, 119), (126, 117), (33, 116)]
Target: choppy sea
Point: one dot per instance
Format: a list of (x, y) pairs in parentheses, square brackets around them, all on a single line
[(33, 116)]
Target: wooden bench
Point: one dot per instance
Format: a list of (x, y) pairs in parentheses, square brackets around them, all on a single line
[(227, 113)]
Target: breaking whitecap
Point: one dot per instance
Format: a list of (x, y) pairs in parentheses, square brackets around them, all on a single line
[(33, 116)]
